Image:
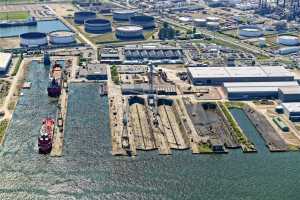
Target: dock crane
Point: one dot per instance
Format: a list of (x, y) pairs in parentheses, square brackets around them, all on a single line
[(153, 96), (152, 99)]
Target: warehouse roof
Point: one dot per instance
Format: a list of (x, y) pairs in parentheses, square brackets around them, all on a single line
[(290, 90), (233, 72), (252, 89), (261, 84), (5, 59), (292, 107), (96, 69)]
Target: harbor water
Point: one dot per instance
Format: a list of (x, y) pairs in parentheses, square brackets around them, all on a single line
[(42, 26), (88, 171)]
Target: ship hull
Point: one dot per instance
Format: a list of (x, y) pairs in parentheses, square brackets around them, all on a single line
[(45, 148), (55, 81), (54, 92), (3, 25), (46, 136)]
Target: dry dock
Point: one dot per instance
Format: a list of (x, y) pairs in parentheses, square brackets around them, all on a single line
[(141, 124), (210, 123), (147, 127), (171, 126), (273, 141)]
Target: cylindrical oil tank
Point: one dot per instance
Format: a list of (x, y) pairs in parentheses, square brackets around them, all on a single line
[(213, 19), (250, 31), (262, 42), (200, 22), (147, 22), (81, 16), (33, 39), (62, 37), (184, 19), (214, 26), (129, 32), (97, 26), (288, 40), (123, 15)]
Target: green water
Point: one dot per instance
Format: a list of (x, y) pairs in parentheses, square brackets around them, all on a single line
[(88, 171)]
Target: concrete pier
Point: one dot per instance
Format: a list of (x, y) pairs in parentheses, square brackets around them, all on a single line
[(58, 139), (116, 125)]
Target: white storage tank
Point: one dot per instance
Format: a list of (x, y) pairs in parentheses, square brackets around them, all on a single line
[(97, 26), (250, 31), (62, 37), (123, 15), (262, 42), (184, 19), (288, 50), (288, 40), (81, 16), (147, 22), (213, 19), (129, 32), (200, 22), (33, 39), (214, 26)]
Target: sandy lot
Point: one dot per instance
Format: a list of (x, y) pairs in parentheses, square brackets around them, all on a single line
[(64, 9), (9, 43)]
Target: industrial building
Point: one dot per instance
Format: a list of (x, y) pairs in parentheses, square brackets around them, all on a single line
[(62, 37), (219, 75), (292, 110), (145, 88), (129, 32), (5, 60), (147, 22), (289, 94), (255, 90), (81, 16), (93, 71), (96, 72), (97, 26), (152, 53), (33, 39), (123, 15)]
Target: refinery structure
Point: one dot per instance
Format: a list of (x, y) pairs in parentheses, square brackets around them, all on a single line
[(288, 9)]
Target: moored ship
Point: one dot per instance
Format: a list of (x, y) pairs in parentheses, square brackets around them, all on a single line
[(103, 89), (46, 136), (46, 59), (30, 22), (55, 81)]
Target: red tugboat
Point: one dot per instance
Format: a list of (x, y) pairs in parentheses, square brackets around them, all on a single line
[(46, 136), (55, 81)]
